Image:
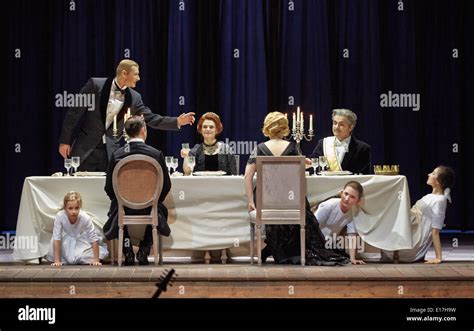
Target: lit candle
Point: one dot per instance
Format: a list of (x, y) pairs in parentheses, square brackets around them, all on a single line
[(286, 115), (128, 113), (294, 121), (311, 122), (115, 122), (302, 122), (298, 113)]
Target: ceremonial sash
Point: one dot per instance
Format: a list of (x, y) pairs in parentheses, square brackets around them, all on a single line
[(331, 154)]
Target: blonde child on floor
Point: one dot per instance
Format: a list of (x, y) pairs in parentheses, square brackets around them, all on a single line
[(75, 240)]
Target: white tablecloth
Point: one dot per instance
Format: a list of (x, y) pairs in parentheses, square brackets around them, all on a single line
[(207, 213)]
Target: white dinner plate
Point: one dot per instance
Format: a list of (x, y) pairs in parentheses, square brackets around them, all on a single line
[(90, 173), (335, 173), (209, 173)]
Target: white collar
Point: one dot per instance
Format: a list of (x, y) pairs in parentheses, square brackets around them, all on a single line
[(135, 140), (347, 140)]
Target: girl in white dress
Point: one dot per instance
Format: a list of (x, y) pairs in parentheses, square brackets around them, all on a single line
[(428, 219), (75, 240)]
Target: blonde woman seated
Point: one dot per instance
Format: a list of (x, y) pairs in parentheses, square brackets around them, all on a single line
[(211, 155), (283, 241)]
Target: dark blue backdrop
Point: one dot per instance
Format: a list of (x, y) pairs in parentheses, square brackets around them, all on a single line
[(241, 59)]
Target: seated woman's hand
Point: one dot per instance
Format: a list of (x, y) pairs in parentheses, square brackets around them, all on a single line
[(95, 263), (184, 153), (56, 264)]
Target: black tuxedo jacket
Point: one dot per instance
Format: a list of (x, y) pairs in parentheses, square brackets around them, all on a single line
[(111, 226), (83, 128), (356, 160)]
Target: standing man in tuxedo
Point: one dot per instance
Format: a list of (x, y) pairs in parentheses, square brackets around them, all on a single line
[(88, 133), (343, 151), (135, 128)]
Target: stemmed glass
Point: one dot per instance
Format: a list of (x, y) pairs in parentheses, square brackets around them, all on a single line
[(169, 161), (67, 165), (185, 147), (191, 164), (174, 164), (76, 162), (315, 164), (323, 163)]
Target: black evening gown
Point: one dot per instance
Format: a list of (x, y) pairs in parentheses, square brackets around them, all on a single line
[(283, 241)]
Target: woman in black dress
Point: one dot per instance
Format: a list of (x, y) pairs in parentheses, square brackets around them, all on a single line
[(283, 241), (211, 155)]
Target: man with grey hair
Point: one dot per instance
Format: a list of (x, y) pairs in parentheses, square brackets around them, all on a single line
[(343, 151)]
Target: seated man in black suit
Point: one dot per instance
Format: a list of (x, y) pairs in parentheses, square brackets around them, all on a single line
[(135, 128), (343, 151)]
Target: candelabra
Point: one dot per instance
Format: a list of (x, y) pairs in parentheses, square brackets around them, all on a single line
[(298, 132)]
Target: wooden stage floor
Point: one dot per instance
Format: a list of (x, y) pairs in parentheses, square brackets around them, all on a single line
[(241, 280)]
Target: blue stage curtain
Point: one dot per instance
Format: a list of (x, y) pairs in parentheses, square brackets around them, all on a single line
[(243, 79), (286, 48)]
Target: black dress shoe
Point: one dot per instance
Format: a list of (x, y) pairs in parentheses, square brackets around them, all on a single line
[(142, 258), (129, 258)]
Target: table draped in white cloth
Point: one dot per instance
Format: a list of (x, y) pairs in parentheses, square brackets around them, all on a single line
[(210, 213)]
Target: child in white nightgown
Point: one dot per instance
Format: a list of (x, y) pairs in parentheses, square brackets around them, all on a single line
[(428, 219), (75, 240)]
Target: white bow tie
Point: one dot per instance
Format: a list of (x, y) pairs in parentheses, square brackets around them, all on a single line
[(344, 144)]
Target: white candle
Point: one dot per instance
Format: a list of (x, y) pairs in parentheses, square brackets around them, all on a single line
[(298, 113), (115, 122), (302, 122), (310, 122), (286, 115), (294, 121), (128, 113)]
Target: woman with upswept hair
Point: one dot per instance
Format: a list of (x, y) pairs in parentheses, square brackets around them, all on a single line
[(283, 241)]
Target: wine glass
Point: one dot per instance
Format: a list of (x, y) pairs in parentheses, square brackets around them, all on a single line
[(67, 165), (185, 147), (169, 161), (315, 164), (191, 164), (76, 162), (323, 163), (174, 164)]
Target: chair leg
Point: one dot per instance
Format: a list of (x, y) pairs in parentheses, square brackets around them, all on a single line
[(259, 245), (111, 244), (303, 244), (120, 247), (207, 257), (155, 244), (252, 239), (224, 256), (160, 248)]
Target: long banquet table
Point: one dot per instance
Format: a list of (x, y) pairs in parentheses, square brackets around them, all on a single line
[(209, 213)]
